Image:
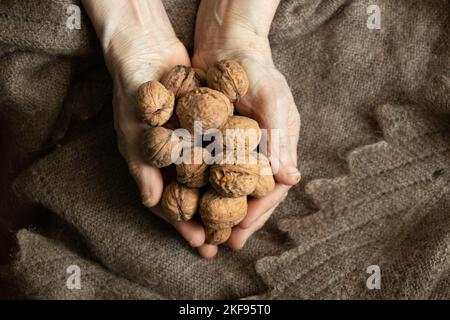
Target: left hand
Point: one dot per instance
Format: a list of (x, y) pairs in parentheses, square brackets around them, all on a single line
[(269, 101)]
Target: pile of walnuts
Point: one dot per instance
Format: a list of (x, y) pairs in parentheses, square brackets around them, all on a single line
[(217, 191)]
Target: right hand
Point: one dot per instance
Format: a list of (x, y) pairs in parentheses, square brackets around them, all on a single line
[(133, 68), (136, 65), (136, 53)]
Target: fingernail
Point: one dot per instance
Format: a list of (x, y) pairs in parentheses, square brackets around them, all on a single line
[(192, 244), (294, 173)]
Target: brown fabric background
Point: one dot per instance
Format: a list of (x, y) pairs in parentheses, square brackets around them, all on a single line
[(373, 156)]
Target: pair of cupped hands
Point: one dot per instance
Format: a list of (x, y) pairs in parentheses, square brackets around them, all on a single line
[(141, 55)]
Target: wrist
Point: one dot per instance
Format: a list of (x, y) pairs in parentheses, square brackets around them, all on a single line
[(133, 34), (249, 16), (215, 44), (136, 47), (229, 38), (230, 27), (123, 23)]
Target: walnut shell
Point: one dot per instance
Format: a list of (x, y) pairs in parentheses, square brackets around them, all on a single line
[(228, 77), (240, 133), (266, 182), (161, 147), (155, 103), (210, 107), (182, 79), (195, 172), (218, 212), (179, 202), (217, 236), (234, 180)]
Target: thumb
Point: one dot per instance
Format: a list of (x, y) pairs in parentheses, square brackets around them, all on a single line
[(148, 180), (129, 132), (277, 140), (284, 165)]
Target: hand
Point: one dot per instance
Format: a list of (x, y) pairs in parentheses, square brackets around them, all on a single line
[(136, 53), (269, 101)]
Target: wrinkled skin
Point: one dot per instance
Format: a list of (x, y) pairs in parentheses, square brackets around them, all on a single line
[(139, 45), (269, 101), (138, 68)]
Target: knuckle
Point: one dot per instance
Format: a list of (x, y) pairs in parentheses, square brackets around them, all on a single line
[(135, 169)]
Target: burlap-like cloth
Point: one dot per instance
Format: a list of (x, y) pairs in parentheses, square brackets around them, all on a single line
[(374, 155)]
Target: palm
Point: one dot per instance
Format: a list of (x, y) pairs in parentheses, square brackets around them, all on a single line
[(137, 64), (142, 63), (270, 102)]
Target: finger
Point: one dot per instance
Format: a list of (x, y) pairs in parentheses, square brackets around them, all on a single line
[(258, 207), (208, 251), (129, 134), (282, 124), (192, 231), (294, 131), (148, 180), (239, 236), (284, 164)]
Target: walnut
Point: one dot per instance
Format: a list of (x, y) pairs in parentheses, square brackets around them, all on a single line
[(155, 103), (182, 79), (217, 236), (161, 147), (228, 77), (242, 133), (193, 172), (218, 212), (266, 183), (179, 203), (235, 180), (238, 174), (210, 107)]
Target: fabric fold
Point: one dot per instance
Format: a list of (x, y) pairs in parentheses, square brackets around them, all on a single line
[(88, 185), (338, 71), (43, 270), (295, 19), (372, 215), (28, 25)]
